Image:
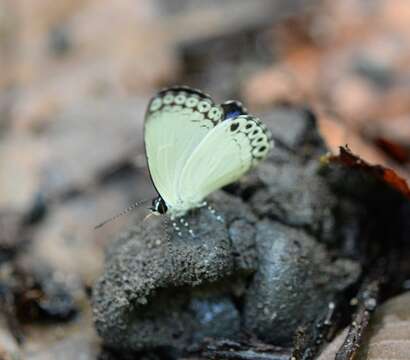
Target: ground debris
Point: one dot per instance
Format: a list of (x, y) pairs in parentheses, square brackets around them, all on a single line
[(308, 341), (389, 176), (367, 300), (252, 350)]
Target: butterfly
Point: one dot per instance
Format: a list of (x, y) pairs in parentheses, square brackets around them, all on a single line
[(194, 147)]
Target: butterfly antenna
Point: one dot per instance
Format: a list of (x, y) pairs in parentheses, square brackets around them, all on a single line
[(126, 211), (147, 216)]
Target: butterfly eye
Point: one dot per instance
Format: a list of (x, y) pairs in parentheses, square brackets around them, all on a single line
[(168, 99), (156, 104), (180, 99), (192, 102), (204, 106)]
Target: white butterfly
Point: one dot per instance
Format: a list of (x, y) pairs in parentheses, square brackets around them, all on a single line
[(195, 147)]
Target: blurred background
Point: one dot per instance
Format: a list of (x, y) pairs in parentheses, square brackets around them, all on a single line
[(76, 76)]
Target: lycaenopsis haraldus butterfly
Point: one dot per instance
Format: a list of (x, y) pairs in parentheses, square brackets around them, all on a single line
[(194, 147)]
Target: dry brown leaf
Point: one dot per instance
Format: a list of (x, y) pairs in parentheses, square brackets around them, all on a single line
[(380, 150), (392, 135), (389, 176)]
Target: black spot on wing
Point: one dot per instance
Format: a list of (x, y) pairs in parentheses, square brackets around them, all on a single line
[(234, 126)]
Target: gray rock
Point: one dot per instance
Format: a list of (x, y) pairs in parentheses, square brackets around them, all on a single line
[(59, 296), (159, 289), (289, 126), (295, 279), (296, 195), (267, 275), (288, 187)]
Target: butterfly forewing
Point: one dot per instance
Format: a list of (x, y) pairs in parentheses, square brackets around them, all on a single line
[(228, 151), (177, 120)]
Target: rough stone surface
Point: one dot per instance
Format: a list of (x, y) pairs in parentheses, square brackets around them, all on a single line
[(290, 126), (295, 195), (159, 289), (294, 279), (59, 294), (289, 187)]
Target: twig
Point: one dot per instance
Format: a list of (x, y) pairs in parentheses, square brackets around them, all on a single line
[(367, 302), (232, 350), (308, 342)]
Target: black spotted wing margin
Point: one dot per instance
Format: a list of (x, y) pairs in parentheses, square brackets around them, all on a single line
[(226, 153)]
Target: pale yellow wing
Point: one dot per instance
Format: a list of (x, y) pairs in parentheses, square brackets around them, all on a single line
[(177, 120)]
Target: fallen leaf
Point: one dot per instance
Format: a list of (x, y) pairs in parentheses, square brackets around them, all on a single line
[(396, 151), (389, 176)]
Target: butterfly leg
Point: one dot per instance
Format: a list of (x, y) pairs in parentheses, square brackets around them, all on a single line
[(186, 224), (176, 227), (212, 211)]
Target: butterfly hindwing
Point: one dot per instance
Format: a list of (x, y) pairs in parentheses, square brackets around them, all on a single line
[(176, 122), (227, 152)]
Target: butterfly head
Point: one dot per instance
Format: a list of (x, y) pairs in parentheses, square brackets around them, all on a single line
[(158, 206)]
